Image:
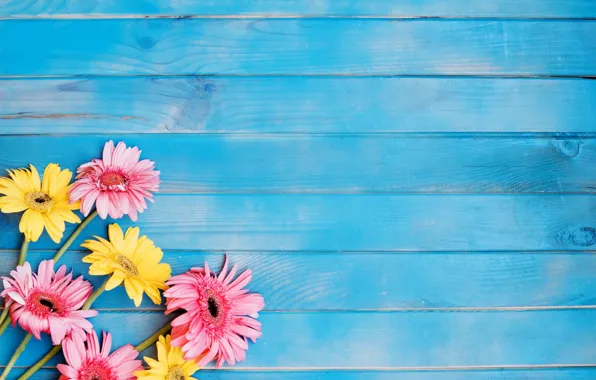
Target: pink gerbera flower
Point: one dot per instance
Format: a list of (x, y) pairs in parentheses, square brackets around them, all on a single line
[(86, 361), (48, 301), (218, 314), (118, 184)]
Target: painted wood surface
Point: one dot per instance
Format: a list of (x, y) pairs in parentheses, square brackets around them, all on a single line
[(278, 105), (398, 339), (318, 281), (356, 222), (352, 164), (297, 46), (415, 203), (289, 8)]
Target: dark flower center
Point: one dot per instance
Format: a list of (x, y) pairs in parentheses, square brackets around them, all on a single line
[(128, 265), (39, 201), (175, 373), (112, 179), (47, 303), (95, 370), (213, 307)]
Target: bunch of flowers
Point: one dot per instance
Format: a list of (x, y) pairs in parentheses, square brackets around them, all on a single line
[(215, 313)]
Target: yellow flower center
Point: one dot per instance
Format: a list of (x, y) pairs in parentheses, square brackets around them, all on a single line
[(175, 373), (39, 201), (128, 265)]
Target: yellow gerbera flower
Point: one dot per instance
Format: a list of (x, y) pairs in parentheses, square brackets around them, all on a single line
[(129, 258), (46, 203), (170, 364)]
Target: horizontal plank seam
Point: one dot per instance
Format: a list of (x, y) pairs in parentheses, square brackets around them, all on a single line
[(301, 75), (281, 16), (422, 368)]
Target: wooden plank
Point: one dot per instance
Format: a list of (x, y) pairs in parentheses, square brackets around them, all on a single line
[(337, 163), (376, 222), (386, 340), (296, 105), (358, 281), (297, 46), (265, 374), (286, 8)]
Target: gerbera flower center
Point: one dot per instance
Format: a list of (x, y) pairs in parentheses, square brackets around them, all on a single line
[(39, 201), (44, 304), (175, 373), (112, 179), (213, 307), (129, 267), (95, 370)]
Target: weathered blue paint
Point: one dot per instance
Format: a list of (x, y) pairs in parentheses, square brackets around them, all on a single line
[(378, 339), (320, 281), (224, 104), (321, 8), (356, 164), (297, 46), (357, 222), (409, 210)]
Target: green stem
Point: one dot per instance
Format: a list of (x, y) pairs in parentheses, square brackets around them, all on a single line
[(3, 315), (95, 294), (53, 352), (56, 349), (23, 253), (74, 235), (4, 325), (16, 355), (153, 338)]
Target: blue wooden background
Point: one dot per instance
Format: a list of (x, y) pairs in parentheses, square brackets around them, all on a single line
[(412, 181)]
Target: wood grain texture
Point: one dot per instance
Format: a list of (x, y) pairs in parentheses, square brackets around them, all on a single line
[(336, 163), (354, 340), (358, 281), (297, 46), (296, 105), (325, 8), (498, 374), (356, 222)]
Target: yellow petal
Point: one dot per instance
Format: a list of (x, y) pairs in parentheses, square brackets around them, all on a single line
[(53, 229), (116, 236), (31, 225), (10, 188), (134, 293), (34, 177), (130, 241), (12, 204), (48, 185), (114, 281)]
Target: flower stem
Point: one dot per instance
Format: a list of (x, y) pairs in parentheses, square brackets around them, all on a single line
[(74, 235), (56, 349), (53, 352), (154, 338), (95, 294), (23, 253), (4, 325), (16, 355)]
